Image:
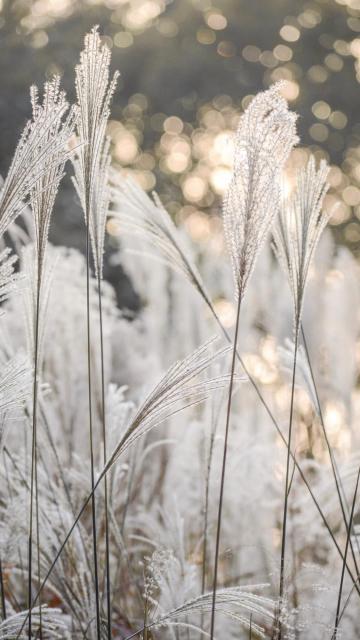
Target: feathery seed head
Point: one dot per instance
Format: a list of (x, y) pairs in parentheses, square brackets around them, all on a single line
[(91, 165), (41, 150), (265, 137), (44, 189), (299, 226)]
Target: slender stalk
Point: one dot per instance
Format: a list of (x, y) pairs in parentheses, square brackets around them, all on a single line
[(206, 517), (286, 496), (38, 535), (107, 541), (145, 636), (345, 557), (33, 477), (223, 468), (91, 439), (2, 588)]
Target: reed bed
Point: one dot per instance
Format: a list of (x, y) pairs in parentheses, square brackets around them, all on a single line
[(189, 470)]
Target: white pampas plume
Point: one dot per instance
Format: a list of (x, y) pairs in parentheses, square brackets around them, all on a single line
[(264, 139), (40, 151), (43, 191), (299, 226), (91, 165), (296, 234), (94, 92)]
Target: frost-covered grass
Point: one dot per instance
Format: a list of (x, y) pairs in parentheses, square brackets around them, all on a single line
[(190, 470)]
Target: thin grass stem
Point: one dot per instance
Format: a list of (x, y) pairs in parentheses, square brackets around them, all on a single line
[(288, 456), (33, 477), (2, 589), (103, 409), (91, 439), (223, 469)]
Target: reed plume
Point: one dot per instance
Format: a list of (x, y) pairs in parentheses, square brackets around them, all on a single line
[(298, 229), (94, 92), (264, 139)]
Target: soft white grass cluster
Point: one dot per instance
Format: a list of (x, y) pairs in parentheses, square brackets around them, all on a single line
[(161, 380)]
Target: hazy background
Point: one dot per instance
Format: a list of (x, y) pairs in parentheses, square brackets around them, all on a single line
[(188, 68)]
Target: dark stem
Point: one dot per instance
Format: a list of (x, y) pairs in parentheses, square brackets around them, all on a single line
[(93, 505), (33, 478), (345, 557), (286, 496), (38, 534), (206, 509), (107, 541), (3, 603), (206, 517), (222, 481)]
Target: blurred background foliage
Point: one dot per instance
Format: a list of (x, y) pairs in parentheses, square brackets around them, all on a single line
[(188, 69)]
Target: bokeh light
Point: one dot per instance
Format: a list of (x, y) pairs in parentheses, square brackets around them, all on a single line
[(206, 60)]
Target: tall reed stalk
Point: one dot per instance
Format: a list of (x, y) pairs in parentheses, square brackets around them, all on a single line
[(42, 197), (223, 470), (94, 93), (265, 137), (2, 589), (296, 234), (91, 438), (106, 498), (287, 487), (33, 474)]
